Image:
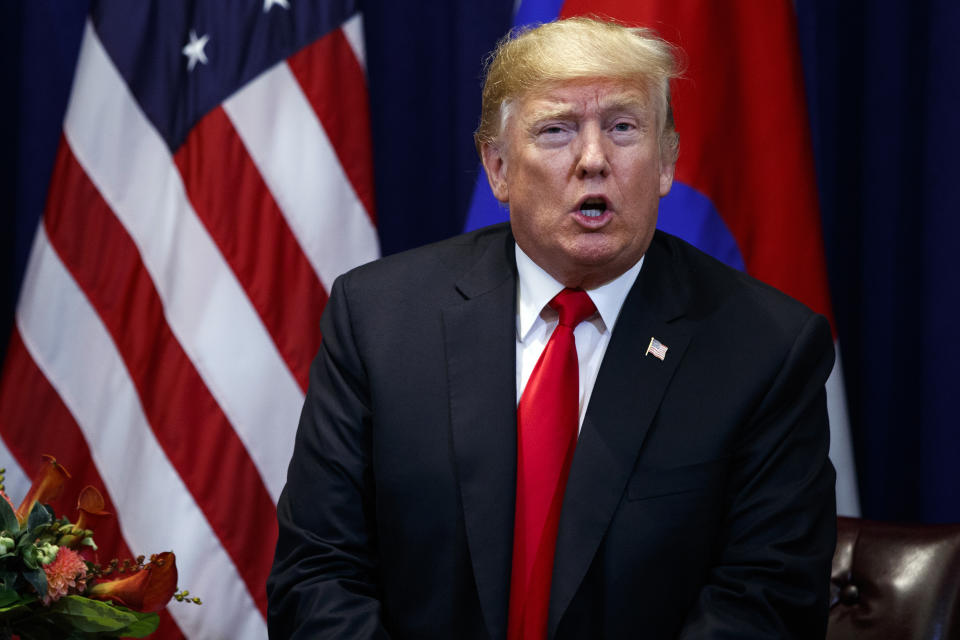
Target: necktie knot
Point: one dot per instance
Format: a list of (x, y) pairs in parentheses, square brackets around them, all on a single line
[(573, 305)]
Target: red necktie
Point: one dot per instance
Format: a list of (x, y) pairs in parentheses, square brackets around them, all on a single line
[(547, 418)]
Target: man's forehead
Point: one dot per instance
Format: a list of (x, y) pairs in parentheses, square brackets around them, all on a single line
[(579, 94)]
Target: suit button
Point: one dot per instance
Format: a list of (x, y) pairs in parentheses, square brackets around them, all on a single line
[(850, 595)]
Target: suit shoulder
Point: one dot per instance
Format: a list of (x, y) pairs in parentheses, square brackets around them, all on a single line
[(449, 257), (716, 288), (425, 276)]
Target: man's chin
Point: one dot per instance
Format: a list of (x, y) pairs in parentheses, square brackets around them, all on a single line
[(595, 251), (587, 271), (598, 260)]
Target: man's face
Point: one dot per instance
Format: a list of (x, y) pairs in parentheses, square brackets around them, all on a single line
[(580, 165)]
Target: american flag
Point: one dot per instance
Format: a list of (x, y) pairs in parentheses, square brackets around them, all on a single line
[(214, 176), (657, 349)]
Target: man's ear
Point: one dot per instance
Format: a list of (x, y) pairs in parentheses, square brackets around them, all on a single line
[(666, 176), (669, 143), (495, 165)]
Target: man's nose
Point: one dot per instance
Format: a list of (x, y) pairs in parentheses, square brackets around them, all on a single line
[(593, 157)]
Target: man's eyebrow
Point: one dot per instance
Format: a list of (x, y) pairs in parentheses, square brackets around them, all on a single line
[(622, 103), (564, 111), (560, 111), (627, 101)]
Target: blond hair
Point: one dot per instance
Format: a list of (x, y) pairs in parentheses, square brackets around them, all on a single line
[(532, 58)]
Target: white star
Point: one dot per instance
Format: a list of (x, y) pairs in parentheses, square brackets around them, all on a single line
[(269, 3), (194, 50)]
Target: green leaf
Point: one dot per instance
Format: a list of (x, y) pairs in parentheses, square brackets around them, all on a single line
[(37, 579), (93, 616), (14, 610), (8, 597), (40, 514), (12, 614), (76, 617), (8, 579), (8, 517), (88, 616), (30, 555), (146, 624)]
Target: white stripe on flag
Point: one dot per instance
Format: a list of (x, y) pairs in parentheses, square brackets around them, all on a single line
[(133, 169), (293, 154), (16, 483), (353, 31), (157, 512), (841, 449)]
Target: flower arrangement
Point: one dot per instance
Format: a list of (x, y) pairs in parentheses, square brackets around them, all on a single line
[(50, 583)]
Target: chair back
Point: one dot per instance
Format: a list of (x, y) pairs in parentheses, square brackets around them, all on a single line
[(895, 581)]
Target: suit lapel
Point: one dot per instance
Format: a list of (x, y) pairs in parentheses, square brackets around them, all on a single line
[(480, 339), (625, 398)]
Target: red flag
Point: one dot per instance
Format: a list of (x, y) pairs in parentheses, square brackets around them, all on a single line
[(745, 149)]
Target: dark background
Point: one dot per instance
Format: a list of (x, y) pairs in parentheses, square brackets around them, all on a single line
[(883, 84)]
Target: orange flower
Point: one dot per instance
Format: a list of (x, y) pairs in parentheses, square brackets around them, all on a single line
[(147, 590), (46, 486), (90, 504)]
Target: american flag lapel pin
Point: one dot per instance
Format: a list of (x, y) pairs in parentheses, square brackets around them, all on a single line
[(657, 348)]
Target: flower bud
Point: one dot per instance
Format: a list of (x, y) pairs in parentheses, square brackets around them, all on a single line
[(46, 552)]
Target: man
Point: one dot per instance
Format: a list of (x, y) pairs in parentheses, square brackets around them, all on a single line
[(486, 451)]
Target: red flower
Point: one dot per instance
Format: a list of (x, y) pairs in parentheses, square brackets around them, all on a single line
[(46, 486), (90, 504), (147, 590)]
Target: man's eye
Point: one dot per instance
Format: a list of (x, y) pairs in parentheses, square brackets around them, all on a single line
[(623, 126), (552, 130)]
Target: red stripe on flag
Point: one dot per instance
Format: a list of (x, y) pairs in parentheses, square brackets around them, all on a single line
[(188, 422), (335, 84), (744, 135), (29, 406), (237, 208)]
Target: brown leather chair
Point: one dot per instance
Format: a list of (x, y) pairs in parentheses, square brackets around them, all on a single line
[(894, 581)]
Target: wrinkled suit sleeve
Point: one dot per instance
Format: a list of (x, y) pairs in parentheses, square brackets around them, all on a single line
[(323, 583), (771, 579)]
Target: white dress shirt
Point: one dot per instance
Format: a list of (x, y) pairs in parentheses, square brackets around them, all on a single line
[(536, 321)]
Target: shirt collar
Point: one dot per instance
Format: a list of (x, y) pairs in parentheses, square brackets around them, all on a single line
[(536, 288)]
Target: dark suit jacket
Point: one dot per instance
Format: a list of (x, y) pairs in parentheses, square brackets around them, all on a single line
[(700, 503)]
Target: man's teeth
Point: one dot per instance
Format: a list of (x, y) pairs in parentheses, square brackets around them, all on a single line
[(593, 210)]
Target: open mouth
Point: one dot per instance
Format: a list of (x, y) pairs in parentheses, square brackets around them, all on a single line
[(593, 207)]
